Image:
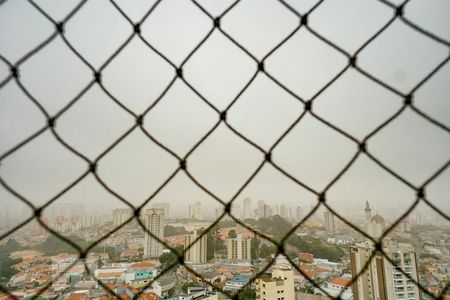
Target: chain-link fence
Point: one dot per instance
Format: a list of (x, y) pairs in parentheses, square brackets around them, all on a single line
[(362, 144)]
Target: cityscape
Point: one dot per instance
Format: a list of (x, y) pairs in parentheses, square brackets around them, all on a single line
[(321, 256)]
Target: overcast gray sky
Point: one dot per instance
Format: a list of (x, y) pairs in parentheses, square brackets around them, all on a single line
[(312, 152)]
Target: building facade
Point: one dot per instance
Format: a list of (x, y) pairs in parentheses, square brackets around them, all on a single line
[(121, 215), (247, 208), (329, 221), (154, 222), (375, 224), (382, 280), (198, 251), (276, 286), (238, 248), (195, 211), (165, 206)]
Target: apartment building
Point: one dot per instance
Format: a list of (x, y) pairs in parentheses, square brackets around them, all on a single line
[(383, 280)]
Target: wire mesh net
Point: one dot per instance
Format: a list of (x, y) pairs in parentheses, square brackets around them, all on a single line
[(362, 149)]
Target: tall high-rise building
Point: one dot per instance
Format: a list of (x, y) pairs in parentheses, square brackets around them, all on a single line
[(88, 220), (195, 211), (154, 222), (267, 211), (247, 208), (375, 224), (275, 210), (197, 252), (165, 206), (298, 213), (290, 215), (218, 211), (238, 248), (382, 280), (283, 211), (120, 215), (329, 221), (260, 208), (236, 210), (368, 211), (405, 225)]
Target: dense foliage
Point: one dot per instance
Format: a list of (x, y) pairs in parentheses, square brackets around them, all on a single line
[(168, 259), (6, 262), (54, 245), (275, 226), (247, 294), (316, 247), (174, 230)]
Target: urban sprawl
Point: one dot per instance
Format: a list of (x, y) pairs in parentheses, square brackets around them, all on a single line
[(222, 259)]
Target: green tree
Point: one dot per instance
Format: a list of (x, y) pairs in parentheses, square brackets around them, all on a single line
[(54, 245), (265, 250), (232, 234), (307, 289), (247, 294), (174, 230), (275, 225), (167, 259), (254, 246), (210, 241), (6, 262), (316, 247), (185, 286)]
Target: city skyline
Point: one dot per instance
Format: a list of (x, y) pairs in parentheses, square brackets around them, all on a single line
[(224, 161)]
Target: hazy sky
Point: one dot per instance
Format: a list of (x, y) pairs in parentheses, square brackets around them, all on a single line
[(312, 152)]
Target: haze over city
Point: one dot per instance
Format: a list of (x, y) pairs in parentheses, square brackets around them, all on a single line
[(312, 152)]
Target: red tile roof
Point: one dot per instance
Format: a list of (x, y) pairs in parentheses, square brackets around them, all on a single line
[(341, 281)]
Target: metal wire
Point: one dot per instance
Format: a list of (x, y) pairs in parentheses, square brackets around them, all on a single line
[(91, 165)]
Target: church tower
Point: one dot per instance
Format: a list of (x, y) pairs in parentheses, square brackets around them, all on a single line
[(368, 212)]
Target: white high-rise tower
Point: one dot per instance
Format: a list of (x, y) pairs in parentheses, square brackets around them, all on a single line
[(154, 222)]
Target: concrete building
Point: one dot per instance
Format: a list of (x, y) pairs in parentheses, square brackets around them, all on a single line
[(238, 248), (195, 211), (337, 287), (328, 218), (247, 208), (236, 283), (283, 211), (276, 286), (405, 225), (375, 224), (121, 215), (165, 206), (260, 208), (298, 213), (290, 215), (275, 210), (197, 252), (218, 211), (154, 222), (267, 211), (236, 210), (382, 280)]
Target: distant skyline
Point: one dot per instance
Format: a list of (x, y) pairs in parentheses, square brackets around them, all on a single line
[(312, 152)]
